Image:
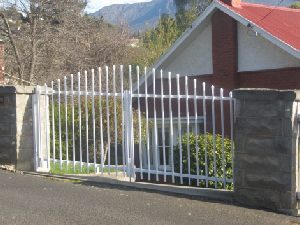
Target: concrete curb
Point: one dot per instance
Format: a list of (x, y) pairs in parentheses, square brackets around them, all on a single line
[(219, 195)]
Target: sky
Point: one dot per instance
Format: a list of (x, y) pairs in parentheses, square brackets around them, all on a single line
[(95, 5)]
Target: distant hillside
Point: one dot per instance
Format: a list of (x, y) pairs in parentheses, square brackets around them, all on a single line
[(139, 16)]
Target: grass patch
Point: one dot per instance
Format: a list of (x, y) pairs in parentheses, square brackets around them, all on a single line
[(55, 169)]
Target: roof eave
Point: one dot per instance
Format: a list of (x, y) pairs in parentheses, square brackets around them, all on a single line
[(273, 39)]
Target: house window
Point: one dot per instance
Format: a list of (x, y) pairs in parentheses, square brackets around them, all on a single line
[(168, 138)]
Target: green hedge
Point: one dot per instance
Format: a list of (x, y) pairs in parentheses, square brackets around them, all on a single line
[(205, 140)]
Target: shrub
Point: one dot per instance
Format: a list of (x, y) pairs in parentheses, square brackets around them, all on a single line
[(205, 140), (83, 128), (295, 5)]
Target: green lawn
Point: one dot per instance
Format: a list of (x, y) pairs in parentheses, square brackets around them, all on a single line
[(55, 169)]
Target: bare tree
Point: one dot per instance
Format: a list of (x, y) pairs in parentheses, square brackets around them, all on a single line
[(48, 38)]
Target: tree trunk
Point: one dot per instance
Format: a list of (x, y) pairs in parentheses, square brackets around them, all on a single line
[(13, 43), (33, 47)]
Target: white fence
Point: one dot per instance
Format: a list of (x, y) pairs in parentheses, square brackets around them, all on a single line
[(162, 128)]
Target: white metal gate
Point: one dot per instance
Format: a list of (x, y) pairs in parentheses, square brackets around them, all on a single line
[(161, 127)]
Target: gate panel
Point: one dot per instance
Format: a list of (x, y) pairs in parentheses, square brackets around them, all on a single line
[(164, 128)]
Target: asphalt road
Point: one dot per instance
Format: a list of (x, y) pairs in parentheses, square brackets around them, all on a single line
[(26, 199)]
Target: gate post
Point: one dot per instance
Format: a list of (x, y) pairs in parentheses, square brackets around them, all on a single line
[(128, 130), (41, 141), (266, 149), (16, 127)]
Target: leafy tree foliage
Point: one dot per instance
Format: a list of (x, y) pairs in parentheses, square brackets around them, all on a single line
[(295, 5), (168, 30)]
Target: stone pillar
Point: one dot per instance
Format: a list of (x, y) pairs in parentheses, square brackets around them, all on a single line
[(16, 127), (266, 149)]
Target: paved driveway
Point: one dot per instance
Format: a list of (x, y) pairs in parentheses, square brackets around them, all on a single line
[(26, 199)]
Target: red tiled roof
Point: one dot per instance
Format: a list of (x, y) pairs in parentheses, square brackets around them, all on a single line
[(281, 22)]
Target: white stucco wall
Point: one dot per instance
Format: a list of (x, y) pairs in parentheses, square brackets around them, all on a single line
[(194, 56), (256, 53)]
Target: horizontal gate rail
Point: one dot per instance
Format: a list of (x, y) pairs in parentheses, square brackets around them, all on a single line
[(169, 129)]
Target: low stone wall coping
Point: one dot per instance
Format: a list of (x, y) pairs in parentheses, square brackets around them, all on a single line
[(263, 94), (17, 89)]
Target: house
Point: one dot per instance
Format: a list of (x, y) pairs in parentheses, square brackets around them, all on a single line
[(234, 44)]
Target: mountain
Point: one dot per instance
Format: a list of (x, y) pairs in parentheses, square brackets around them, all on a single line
[(139, 16)]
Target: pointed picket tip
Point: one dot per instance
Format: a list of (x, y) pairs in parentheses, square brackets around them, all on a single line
[(221, 92)]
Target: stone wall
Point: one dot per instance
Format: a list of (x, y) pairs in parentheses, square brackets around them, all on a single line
[(266, 149), (16, 127)]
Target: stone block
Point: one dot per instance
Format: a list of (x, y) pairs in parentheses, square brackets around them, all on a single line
[(267, 145), (267, 180), (250, 108), (24, 115), (24, 142), (6, 129), (7, 142), (7, 115), (5, 156), (258, 126), (25, 159), (9, 101), (259, 198), (263, 162), (25, 129), (287, 200)]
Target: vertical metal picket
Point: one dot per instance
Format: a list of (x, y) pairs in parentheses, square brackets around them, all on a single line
[(140, 123), (86, 122), (155, 126), (147, 127), (66, 122), (188, 127), (115, 119), (179, 129), (171, 127), (59, 127), (79, 120), (73, 125), (35, 131), (163, 125), (94, 120)]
